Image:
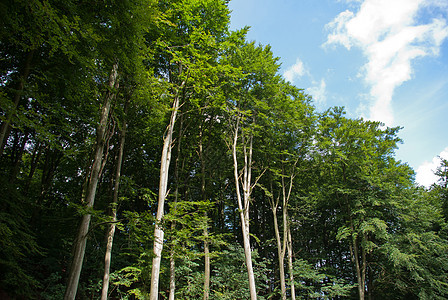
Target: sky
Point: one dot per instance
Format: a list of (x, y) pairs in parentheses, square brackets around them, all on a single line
[(383, 60)]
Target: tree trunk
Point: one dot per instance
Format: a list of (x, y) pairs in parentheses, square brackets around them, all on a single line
[(244, 208), (81, 239), (290, 265), (280, 252), (172, 294), (283, 245), (18, 157), (206, 266), (204, 199), (33, 164), (363, 267), (287, 241), (359, 276), (111, 231), (360, 270), (369, 284), (163, 187), (172, 276), (17, 95)]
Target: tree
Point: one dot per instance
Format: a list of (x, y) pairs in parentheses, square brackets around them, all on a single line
[(114, 204), (248, 107), (90, 192), (286, 143), (367, 180), (184, 60), (111, 37)]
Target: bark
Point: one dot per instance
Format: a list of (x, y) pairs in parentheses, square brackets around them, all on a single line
[(287, 240), (163, 187), (283, 243), (4, 129), (244, 207), (363, 268), (206, 243), (33, 164), (281, 253), (206, 266), (360, 269), (290, 265), (172, 293), (18, 157), (111, 231), (172, 276), (354, 251), (81, 239), (370, 284)]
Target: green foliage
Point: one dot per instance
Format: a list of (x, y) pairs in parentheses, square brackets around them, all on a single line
[(310, 283), (132, 279), (348, 191), (229, 277), (416, 255), (17, 244), (124, 279)]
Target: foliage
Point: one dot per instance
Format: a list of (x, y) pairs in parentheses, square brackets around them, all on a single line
[(310, 283), (357, 220)]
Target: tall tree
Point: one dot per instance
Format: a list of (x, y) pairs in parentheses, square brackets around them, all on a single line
[(113, 45), (287, 143), (114, 206), (194, 25), (163, 187), (81, 239), (361, 154), (248, 105)]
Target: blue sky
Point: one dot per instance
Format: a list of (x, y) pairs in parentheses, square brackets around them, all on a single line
[(383, 60)]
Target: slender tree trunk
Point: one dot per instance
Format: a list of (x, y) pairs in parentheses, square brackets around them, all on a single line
[(204, 198), (18, 157), (244, 207), (206, 265), (369, 284), (290, 265), (163, 187), (285, 217), (112, 226), (172, 294), (283, 245), (361, 289), (81, 239), (360, 270), (17, 95), (172, 276), (280, 252), (363, 267), (33, 164)]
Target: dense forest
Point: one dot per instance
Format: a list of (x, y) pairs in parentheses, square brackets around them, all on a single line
[(149, 152)]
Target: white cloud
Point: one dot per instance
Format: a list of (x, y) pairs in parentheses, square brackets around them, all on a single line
[(425, 172), (388, 34), (295, 71), (319, 93)]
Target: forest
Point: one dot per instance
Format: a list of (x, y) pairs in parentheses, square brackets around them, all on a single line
[(147, 151)]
